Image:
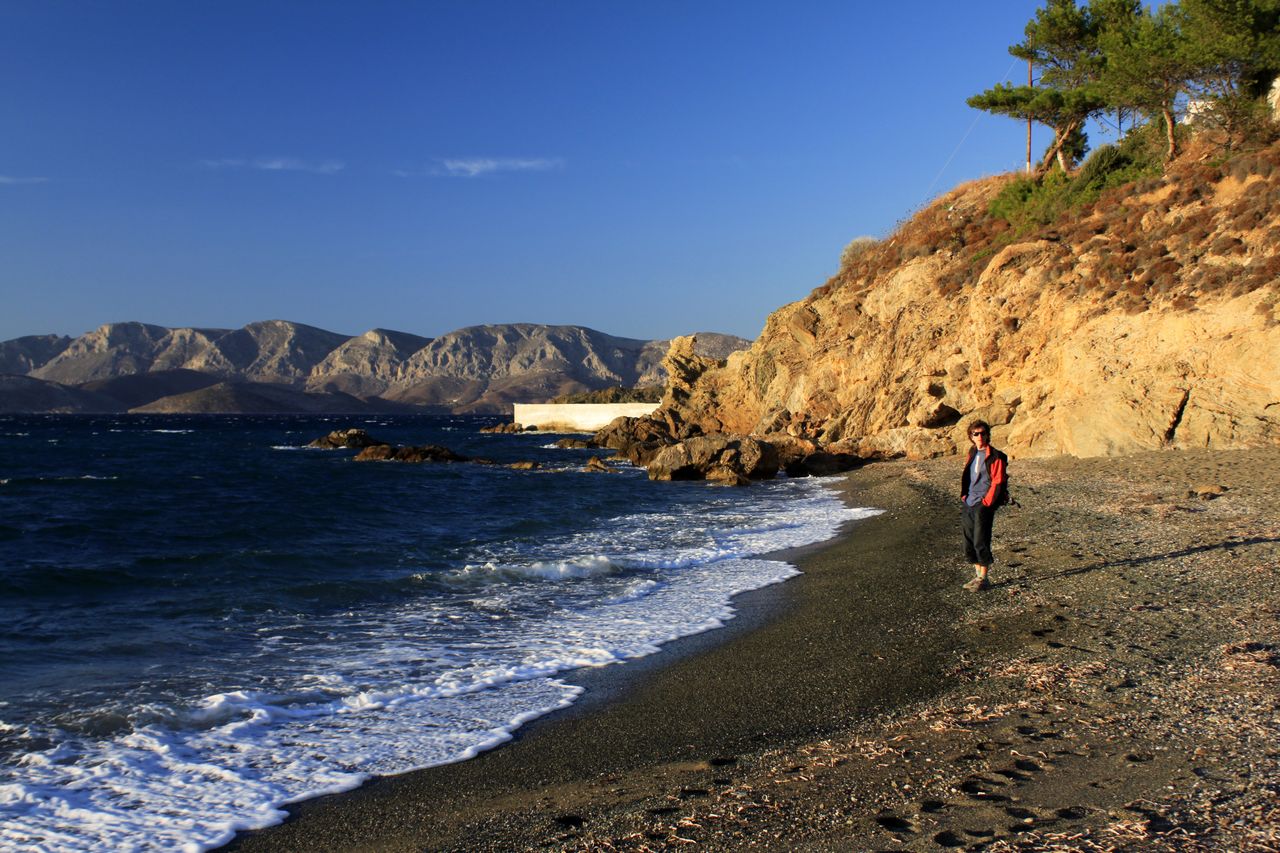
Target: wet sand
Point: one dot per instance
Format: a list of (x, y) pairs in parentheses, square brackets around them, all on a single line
[(1117, 687)]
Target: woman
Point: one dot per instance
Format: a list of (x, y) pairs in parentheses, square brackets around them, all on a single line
[(982, 488)]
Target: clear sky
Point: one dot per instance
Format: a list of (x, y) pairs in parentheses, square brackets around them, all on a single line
[(643, 168)]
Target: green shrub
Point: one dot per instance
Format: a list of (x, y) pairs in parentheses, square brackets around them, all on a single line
[(1030, 203)]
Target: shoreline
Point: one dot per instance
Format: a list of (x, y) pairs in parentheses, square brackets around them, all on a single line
[(669, 707), (1116, 681)]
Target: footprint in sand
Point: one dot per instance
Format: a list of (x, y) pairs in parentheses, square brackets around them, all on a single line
[(947, 838), (1012, 775), (981, 788), (1020, 813), (895, 824)]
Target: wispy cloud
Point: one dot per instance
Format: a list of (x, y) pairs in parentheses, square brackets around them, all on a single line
[(6, 180), (278, 164), (474, 167)]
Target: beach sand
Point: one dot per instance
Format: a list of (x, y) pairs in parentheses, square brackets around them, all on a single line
[(1117, 688)]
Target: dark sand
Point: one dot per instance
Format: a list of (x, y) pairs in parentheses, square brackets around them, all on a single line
[(1116, 689)]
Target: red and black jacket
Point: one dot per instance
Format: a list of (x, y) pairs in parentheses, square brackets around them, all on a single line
[(997, 465)]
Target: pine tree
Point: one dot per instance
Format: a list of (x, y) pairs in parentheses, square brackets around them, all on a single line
[(1233, 47), (1062, 41), (1147, 65)]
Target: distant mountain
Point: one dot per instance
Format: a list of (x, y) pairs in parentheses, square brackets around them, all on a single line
[(476, 369), (19, 394), (22, 355), (121, 349), (268, 351), (365, 365), (253, 398), (138, 389)]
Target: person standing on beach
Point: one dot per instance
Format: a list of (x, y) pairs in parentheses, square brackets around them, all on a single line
[(982, 489)]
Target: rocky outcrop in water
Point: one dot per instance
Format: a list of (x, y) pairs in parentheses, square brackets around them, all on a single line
[(419, 453), (733, 460), (505, 429), (351, 438)]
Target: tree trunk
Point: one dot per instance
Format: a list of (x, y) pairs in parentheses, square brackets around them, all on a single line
[(1172, 150), (1055, 150)]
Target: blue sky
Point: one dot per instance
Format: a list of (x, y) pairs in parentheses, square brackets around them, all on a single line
[(646, 168)]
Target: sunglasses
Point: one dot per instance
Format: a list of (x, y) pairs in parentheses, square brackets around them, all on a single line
[(978, 433)]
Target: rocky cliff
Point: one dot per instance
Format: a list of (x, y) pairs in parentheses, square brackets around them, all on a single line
[(1147, 319)]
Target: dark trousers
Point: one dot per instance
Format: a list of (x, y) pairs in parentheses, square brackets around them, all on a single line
[(976, 523)]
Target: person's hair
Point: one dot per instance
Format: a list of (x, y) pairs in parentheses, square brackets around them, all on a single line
[(982, 425)]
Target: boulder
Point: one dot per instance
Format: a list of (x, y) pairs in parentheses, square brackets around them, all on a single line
[(621, 432), (341, 438), (422, 453), (524, 465), (696, 458), (505, 428), (573, 443), (823, 463), (723, 475), (1207, 491), (639, 440), (598, 465)]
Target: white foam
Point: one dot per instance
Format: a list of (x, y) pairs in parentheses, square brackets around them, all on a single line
[(578, 567), (433, 681)]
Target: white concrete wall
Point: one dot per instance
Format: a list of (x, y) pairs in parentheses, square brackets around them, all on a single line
[(577, 417)]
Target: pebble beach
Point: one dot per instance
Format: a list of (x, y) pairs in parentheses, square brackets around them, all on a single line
[(1115, 689)]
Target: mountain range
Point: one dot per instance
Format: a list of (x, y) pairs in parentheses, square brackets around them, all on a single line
[(281, 366)]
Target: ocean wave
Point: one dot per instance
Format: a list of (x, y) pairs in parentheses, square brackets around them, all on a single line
[(588, 566), (67, 478), (448, 667)]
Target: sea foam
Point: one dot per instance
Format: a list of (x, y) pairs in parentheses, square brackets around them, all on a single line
[(430, 681)]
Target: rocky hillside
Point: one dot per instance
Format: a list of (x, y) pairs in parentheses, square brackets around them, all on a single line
[(1146, 319), (477, 369)]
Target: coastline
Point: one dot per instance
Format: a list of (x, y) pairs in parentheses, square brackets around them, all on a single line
[(872, 701)]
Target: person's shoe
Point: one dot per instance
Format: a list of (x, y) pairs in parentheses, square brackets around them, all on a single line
[(977, 584)]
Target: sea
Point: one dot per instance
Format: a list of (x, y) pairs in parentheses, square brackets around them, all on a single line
[(202, 620)]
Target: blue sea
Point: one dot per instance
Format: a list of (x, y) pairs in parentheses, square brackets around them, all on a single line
[(204, 620)]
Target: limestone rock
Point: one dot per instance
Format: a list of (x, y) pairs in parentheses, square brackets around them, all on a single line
[(637, 439), (1147, 321), (696, 458)]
